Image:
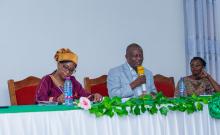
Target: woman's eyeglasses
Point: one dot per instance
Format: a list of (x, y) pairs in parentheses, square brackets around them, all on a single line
[(67, 68)]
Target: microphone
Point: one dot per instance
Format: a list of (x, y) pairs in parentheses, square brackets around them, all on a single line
[(140, 71)]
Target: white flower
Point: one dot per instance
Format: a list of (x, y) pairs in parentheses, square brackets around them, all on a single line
[(84, 103)]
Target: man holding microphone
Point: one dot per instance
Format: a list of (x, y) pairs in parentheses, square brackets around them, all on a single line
[(131, 79)]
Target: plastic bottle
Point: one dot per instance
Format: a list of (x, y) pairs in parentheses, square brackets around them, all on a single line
[(181, 87), (68, 91)]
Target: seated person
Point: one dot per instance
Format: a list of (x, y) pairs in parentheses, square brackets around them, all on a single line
[(51, 85), (200, 82), (123, 81)]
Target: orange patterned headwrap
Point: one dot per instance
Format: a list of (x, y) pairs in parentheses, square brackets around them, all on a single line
[(65, 54)]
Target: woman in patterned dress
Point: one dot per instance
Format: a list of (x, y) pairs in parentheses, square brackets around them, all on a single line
[(200, 82)]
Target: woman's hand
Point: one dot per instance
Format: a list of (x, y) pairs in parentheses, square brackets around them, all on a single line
[(214, 84), (60, 99), (204, 74), (95, 97)]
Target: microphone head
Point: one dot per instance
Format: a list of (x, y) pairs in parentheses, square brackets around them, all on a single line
[(140, 70)]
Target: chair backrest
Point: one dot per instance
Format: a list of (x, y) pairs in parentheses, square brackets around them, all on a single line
[(96, 85), (23, 92), (165, 84)]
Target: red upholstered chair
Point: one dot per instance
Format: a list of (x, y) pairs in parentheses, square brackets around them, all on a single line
[(23, 92), (96, 85), (165, 84)]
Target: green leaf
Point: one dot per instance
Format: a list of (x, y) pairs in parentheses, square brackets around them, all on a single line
[(97, 111), (181, 107), (139, 101), (205, 100), (137, 110), (120, 112), (172, 108), (199, 106), (132, 109), (109, 112), (99, 114), (190, 108), (143, 109), (148, 97), (93, 110), (153, 109), (106, 102), (159, 95), (115, 101), (128, 103), (164, 110), (194, 96), (124, 110), (217, 94)]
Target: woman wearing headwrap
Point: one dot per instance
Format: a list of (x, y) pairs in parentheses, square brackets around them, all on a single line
[(51, 86)]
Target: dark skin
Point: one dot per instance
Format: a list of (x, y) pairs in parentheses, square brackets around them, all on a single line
[(198, 72), (134, 57), (64, 70), (196, 69)]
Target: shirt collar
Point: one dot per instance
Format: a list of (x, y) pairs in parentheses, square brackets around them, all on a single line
[(130, 68)]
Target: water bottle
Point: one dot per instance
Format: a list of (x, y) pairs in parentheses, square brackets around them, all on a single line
[(68, 92), (181, 87)]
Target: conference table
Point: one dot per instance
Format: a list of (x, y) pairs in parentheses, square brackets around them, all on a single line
[(66, 120)]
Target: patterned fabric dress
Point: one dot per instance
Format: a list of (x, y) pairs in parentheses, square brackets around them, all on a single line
[(199, 87)]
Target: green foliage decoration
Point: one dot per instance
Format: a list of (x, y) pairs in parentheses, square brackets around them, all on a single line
[(214, 106), (150, 104)]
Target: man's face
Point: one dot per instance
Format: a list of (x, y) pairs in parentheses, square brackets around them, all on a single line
[(135, 57)]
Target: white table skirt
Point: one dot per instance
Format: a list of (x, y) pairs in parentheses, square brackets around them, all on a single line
[(79, 122)]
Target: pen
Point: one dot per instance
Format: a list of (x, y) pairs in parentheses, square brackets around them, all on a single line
[(4, 106)]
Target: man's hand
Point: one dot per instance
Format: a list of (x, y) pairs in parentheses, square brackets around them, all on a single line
[(137, 82)]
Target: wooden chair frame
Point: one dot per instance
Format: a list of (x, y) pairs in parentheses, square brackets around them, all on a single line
[(161, 78), (16, 85), (88, 82)]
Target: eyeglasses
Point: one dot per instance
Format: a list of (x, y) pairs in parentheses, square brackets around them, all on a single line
[(67, 68)]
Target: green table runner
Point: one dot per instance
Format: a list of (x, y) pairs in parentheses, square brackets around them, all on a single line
[(36, 108)]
